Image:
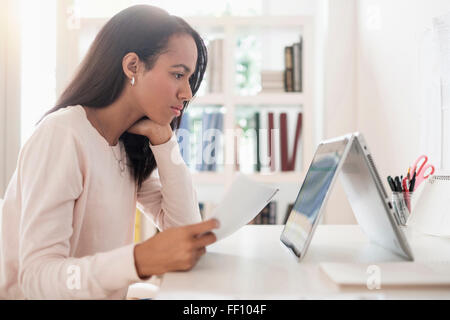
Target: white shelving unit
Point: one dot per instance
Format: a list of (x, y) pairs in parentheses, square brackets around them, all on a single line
[(230, 26)]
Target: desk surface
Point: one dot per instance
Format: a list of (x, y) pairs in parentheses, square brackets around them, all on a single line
[(253, 264)]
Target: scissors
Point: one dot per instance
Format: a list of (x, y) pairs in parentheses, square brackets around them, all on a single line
[(420, 174)]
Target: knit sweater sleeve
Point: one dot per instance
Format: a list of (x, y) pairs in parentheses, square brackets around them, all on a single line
[(168, 196)]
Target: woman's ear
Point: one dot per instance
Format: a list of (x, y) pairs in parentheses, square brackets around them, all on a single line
[(130, 65)]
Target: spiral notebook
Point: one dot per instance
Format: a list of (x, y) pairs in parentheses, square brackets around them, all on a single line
[(430, 214)]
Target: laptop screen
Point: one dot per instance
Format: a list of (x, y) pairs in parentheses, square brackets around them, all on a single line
[(311, 197)]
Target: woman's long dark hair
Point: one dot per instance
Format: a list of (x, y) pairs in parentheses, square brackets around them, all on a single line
[(144, 30)]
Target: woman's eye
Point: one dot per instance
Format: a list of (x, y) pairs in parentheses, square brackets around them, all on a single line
[(178, 75)]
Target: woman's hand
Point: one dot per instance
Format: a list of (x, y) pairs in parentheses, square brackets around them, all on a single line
[(175, 249), (156, 133)]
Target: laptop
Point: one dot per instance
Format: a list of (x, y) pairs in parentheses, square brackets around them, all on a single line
[(349, 157)]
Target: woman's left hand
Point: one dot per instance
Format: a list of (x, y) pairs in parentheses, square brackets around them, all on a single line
[(156, 133)]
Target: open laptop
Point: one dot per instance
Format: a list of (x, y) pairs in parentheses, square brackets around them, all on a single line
[(348, 156)]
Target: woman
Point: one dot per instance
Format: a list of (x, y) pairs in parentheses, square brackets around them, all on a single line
[(69, 210)]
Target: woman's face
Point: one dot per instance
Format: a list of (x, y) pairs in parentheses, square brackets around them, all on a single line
[(161, 91)]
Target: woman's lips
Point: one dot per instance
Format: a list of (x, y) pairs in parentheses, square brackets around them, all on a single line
[(176, 111)]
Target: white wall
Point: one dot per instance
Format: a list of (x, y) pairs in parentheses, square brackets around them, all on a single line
[(388, 77), (2, 98), (372, 81), (9, 91), (339, 91)]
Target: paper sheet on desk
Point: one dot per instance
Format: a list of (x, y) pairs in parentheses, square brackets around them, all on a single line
[(243, 201), (388, 274)]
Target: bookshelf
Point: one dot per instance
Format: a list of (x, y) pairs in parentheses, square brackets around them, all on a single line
[(229, 99), (230, 29)]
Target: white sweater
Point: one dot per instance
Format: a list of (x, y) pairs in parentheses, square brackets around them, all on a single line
[(69, 212)]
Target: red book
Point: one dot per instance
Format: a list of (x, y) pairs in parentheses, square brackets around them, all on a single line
[(288, 163), (284, 142), (298, 130)]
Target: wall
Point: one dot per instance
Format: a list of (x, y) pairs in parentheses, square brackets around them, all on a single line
[(339, 92), (2, 98), (388, 77), (372, 81), (9, 91)]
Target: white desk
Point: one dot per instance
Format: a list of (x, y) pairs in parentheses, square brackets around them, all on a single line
[(254, 264)]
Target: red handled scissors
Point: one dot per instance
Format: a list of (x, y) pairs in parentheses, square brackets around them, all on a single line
[(425, 170)]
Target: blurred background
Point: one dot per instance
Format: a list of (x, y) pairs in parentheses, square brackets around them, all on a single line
[(310, 69)]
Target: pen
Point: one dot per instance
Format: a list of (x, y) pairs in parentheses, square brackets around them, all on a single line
[(405, 187), (391, 184), (413, 182), (398, 184)]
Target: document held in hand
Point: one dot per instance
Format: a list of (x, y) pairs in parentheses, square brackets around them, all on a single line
[(242, 202)]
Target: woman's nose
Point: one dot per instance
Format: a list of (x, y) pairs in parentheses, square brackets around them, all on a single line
[(185, 93)]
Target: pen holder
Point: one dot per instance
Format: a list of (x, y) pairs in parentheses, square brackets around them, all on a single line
[(401, 202)]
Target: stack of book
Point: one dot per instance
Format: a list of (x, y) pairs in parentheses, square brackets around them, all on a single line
[(210, 150), (264, 144), (201, 140), (272, 81), (293, 81), (264, 141), (215, 66)]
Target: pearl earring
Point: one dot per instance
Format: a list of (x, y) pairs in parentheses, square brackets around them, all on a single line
[(132, 81)]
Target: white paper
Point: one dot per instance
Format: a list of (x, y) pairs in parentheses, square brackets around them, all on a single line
[(243, 201), (388, 274)]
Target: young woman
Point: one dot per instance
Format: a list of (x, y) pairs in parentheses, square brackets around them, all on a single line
[(69, 209)]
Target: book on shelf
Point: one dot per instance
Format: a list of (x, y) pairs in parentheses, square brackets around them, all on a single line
[(258, 142), (297, 52), (288, 69), (215, 66), (268, 214), (264, 141), (288, 212), (271, 141), (293, 68), (288, 162), (265, 146), (211, 146), (272, 81), (183, 138), (206, 208), (200, 140)]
